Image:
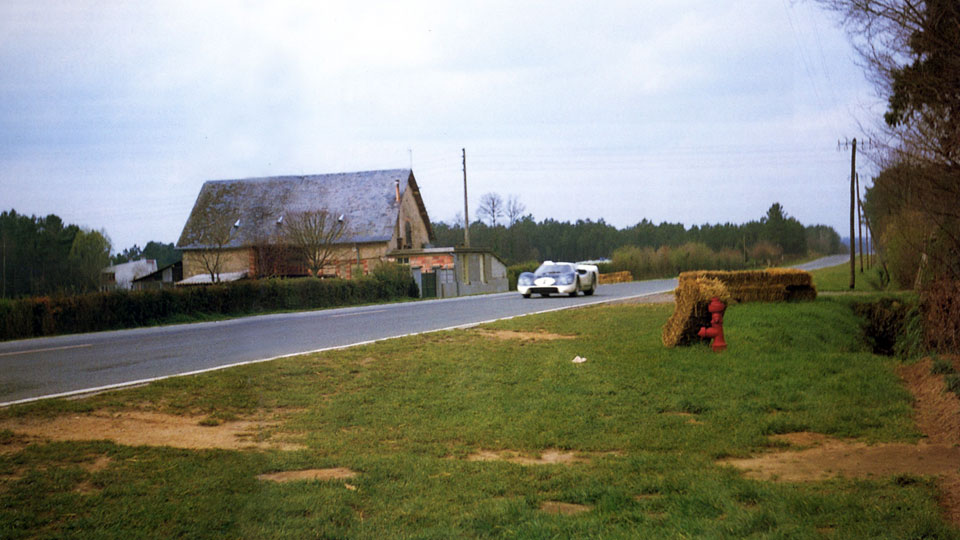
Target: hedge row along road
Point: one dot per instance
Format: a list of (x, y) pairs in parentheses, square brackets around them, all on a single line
[(77, 364)]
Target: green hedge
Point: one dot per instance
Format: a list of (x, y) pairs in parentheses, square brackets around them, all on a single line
[(44, 316), (514, 271)]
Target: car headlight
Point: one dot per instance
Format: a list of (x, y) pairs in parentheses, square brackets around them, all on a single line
[(565, 279), (525, 278)]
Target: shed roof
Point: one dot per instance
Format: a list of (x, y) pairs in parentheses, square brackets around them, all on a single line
[(367, 200)]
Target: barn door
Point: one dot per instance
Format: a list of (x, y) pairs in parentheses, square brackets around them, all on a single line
[(428, 281)]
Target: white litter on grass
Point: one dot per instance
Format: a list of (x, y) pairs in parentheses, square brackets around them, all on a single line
[(579, 360)]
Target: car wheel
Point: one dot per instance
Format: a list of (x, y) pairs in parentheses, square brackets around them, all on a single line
[(576, 288), (544, 294), (526, 295), (593, 287)]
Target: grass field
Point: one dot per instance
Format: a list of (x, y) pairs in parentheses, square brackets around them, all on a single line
[(642, 427), (837, 279)]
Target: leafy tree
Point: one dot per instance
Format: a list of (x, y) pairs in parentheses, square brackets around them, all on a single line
[(89, 254), (164, 254), (44, 256), (131, 253)]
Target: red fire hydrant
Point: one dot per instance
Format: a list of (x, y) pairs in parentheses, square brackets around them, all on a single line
[(715, 332)]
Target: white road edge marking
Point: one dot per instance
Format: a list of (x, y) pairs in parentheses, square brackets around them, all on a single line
[(31, 351), (358, 313), (139, 382)]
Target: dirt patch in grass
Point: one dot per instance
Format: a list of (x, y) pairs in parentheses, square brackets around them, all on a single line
[(149, 429), (547, 457), (336, 473), (97, 464), (691, 418), (802, 438), (936, 410), (841, 458), (14, 443), (562, 508), (506, 335), (937, 413)]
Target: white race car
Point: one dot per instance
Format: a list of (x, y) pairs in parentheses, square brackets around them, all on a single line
[(560, 278)]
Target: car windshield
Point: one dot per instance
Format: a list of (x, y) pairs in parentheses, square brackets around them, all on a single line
[(554, 269)]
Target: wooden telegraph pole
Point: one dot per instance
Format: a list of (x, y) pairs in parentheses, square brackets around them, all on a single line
[(853, 210), (466, 209), (860, 222)]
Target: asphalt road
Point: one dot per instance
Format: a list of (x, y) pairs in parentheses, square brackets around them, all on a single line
[(64, 365), (68, 365)]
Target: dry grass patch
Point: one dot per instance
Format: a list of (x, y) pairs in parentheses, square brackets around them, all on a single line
[(836, 458), (803, 439), (691, 418), (506, 335), (336, 473), (547, 457), (562, 508), (141, 428)]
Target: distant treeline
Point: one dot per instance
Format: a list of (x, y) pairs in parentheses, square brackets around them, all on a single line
[(43, 256), (768, 239), (164, 254)]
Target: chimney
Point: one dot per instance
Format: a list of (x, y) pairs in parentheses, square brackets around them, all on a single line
[(397, 186)]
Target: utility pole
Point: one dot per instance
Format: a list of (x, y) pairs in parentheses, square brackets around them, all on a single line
[(860, 222), (466, 208), (853, 176), (853, 210)]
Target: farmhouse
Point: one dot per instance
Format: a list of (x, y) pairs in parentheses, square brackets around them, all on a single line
[(240, 228)]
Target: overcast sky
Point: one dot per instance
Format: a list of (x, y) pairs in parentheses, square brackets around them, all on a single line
[(112, 114)]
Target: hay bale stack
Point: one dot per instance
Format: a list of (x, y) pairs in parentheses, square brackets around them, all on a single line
[(771, 285), (692, 298), (695, 289), (615, 277)]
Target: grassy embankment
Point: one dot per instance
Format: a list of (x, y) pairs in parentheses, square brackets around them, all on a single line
[(648, 423), (837, 279)]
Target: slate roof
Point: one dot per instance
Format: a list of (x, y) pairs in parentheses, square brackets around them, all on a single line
[(366, 199)]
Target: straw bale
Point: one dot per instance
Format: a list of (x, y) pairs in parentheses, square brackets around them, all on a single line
[(695, 289), (690, 313)]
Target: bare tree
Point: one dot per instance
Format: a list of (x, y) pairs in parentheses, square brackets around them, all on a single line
[(911, 52), (491, 208), (212, 226), (314, 234), (515, 209)]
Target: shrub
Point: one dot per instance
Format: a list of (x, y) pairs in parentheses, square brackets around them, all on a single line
[(514, 271), (940, 310), (953, 383), (942, 366), (884, 322), (32, 317), (765, 252), (646, 262)]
